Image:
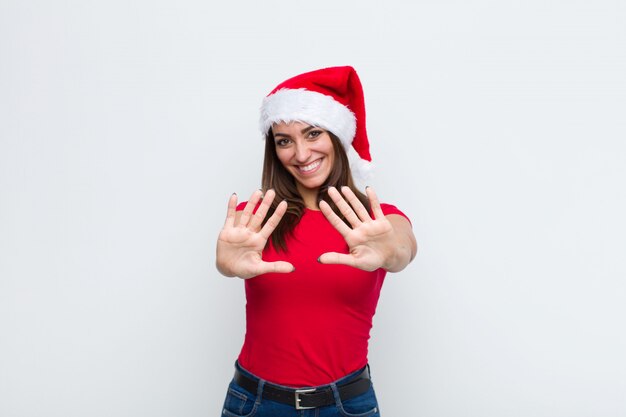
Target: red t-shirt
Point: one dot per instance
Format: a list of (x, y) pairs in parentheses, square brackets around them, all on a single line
[(312, 326)]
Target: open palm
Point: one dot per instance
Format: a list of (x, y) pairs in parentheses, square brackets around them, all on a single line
[(242, 239), (369, 239)]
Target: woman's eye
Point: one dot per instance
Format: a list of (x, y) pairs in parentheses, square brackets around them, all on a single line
[(314, 133), (282, 142)]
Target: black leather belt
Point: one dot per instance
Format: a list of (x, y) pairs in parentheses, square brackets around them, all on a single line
[(306, 398)]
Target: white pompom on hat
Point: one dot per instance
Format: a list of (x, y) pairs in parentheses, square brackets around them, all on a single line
[(330, 98)]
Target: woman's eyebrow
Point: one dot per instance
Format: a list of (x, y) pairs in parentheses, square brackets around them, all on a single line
[(287, 135)]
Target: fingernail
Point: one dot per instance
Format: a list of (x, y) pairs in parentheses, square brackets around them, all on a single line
[(234, 194), (367, 186), (294, 269)]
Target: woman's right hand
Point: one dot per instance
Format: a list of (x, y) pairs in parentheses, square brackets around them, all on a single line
[(240, 243)]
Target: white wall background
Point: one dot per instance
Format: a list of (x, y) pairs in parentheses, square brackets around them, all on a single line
[(497, 125)]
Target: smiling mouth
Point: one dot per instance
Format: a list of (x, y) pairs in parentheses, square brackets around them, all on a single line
[(311, 167)]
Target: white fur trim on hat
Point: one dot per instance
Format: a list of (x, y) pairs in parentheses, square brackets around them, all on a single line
[(362, 170), (289, 105)]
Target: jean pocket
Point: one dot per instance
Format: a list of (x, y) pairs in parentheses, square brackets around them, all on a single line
[(364, 405), (238, 402)]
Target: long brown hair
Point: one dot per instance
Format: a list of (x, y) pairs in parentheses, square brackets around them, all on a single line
[(276, 177)]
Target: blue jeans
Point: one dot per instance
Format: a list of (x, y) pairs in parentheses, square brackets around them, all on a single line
[(241, 403)]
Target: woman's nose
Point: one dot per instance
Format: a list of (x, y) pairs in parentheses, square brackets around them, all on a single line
[(302, 152)]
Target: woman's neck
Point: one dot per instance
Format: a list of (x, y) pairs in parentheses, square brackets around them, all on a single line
[(309, 196)]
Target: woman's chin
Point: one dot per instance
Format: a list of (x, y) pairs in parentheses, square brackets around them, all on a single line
[(310, 184)]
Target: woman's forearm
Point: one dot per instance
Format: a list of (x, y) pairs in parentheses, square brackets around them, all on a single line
[(403, 247)]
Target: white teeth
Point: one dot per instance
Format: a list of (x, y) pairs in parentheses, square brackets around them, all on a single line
[(311, 166)]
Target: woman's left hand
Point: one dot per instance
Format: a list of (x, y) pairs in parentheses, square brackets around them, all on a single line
[(373, 242)]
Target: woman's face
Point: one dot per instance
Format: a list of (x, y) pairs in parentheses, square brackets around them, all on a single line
[(306, 152)]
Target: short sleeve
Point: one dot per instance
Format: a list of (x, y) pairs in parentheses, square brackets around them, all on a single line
[(391, 209)]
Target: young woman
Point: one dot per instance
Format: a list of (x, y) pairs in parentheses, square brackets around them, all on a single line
[(314, 251)]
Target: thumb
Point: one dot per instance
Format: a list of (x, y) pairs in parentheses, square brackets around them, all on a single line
[(280, 267), (336, 259)]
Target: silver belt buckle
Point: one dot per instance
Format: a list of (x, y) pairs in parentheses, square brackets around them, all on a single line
[(298, 399)]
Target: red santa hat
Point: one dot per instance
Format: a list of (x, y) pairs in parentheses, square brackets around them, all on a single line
[(330, 98)]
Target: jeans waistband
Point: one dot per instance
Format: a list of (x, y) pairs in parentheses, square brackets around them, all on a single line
[(303, 398)]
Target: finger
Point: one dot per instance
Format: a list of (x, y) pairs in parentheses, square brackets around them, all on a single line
[(334, 220), (344, 207), (261, 212), (278, 267), (337, 259), (374, 203), (247, 211), (356, 204), (273, 221), (231, 212)]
